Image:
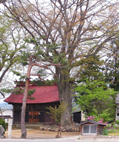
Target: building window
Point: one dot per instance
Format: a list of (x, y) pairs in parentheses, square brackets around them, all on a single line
[(89, 129), (117, 114)]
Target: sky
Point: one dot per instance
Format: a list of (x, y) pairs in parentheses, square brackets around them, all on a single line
[(5, 106)]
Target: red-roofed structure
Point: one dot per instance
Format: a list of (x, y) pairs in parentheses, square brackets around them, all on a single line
[(44, 96)]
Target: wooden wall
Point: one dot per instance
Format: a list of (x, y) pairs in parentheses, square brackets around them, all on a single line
[(100, 129), (35, 113)]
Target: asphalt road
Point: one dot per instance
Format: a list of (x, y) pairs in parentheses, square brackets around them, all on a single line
[(69, 139)]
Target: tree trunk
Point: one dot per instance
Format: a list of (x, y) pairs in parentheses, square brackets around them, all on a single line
[(23, 127), (65, 94)]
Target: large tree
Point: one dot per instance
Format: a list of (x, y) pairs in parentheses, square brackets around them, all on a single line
[(81, 28)]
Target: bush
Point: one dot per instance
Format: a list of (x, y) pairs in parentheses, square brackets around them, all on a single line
[(56, 113), (2, 122), (105, 132)]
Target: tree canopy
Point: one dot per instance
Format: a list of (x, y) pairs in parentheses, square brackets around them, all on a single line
[(11, 42), (96, 99)]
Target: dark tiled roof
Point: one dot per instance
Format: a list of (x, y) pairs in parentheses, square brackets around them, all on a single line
[(92, 122), (42, 94), (5, 116)]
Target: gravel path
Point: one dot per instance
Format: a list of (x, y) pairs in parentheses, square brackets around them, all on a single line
[(67, 139), (38, 134)]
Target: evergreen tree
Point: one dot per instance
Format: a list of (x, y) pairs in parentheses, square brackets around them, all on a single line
[(35, 56), (91, 68)]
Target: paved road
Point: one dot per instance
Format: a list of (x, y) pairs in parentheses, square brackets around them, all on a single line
[(69, 139)]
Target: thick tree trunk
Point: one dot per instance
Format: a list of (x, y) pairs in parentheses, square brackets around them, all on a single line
[(65, 94)]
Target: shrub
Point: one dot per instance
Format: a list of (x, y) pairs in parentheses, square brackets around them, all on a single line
[(56, 113), (105, 132), (2, 122)]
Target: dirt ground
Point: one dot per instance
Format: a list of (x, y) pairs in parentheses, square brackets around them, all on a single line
[(38, 134)]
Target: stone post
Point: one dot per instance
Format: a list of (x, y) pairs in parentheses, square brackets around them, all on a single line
[(1, 131), (10, 128)]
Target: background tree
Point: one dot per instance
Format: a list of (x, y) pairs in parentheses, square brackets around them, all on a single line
[(82, 28), (10, 45), (96, 99)]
